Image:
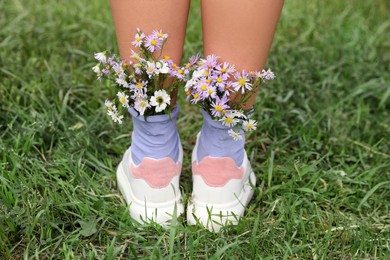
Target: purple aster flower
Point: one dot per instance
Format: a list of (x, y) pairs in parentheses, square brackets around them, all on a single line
[(160, 35), (194, 59), (153, 43), (210, 62), (101, 56), (267, 75), (219, 106), (195, 97), (242, 82), (225, 70), (227, 88), (139, 36)]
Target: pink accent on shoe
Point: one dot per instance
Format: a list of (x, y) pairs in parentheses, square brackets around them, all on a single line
[(158, 173), (216, 172)]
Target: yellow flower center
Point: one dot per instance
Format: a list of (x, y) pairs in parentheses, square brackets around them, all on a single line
[(249, 126), (210, 91), (138, 39), (166, 57), (204, 87), (188, 92), (219, 79), (153, 42), (150, 69), (122, 100), (218, 107), (138, 85), (223, 70), (142, 104), (107, 67), (174, 66), (208, 80), (196, 95), (241, 82), (223, 112), (180, 71), (159, 35), (228, 120), (188, 65), (205, 73)]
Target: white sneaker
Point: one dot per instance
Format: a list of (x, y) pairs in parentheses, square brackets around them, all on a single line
[(151, 188), (221, 191)]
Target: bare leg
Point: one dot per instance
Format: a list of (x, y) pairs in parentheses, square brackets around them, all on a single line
[(240, 32), (155, 144), (168, 15)]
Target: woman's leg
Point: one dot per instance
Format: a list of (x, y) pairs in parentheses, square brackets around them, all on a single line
[(240, 32), (148, 175), (168, 15)]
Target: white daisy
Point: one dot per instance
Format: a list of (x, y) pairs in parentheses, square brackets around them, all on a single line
[(108, 104), (115, 116), (162, 67), (122, 82), (249, 125), (151, 68), (236, 135), (198, 74), (141, 105), (123, 98), (228, 120), (160, 100), (96, 68)]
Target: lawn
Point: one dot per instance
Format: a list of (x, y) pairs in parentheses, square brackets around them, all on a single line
[(321, 152)]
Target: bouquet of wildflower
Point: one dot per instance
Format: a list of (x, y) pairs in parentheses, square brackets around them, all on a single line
[(211, 86), (143, 79)]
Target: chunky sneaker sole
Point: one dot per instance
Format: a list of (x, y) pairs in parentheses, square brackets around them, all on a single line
[(221, 191), (151, 188)]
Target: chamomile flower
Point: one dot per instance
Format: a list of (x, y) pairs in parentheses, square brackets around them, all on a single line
[(160, 100), (96, 68), (151, 68), (115, 116), (136, 56), (236, 135), (228, 120), (141, 105), (123, 99), (162, 67), (249, 125), (122, 82), (108, 104)]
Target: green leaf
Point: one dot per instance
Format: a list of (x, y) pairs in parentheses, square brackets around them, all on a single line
[(88, 226)]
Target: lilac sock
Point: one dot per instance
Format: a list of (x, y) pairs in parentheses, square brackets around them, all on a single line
[(155, 138), (215, 141)]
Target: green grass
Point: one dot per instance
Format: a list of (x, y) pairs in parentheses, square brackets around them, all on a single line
[(321, 152)]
